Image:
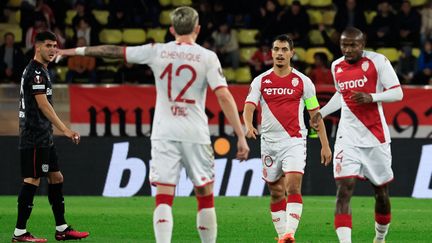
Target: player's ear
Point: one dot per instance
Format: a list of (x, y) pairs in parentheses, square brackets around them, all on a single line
[(197, 29), (172, 31)]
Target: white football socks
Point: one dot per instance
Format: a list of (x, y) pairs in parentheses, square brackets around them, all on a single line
[(293, 215), (279, 222), (163, 223), (344, 234), (207, 225)]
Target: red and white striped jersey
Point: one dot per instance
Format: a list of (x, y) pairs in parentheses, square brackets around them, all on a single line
[(363, 125), (182, 72), (282, 101)]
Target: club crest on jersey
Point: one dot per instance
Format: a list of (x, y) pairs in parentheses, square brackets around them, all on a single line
[(267, 81), (365, 66), (295, 82)]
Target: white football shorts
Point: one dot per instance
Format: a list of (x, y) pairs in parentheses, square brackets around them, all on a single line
[(279, 158), (169, 157), (373, 164)]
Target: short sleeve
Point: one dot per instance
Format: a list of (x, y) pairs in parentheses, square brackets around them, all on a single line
[(140, 54), (386, 74), (38, 82), (214, 75), (254, 94)]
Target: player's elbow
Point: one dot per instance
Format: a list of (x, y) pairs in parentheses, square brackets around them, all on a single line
[(223, 95)]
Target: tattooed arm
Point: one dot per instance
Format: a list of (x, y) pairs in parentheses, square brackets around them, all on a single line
[(108, 51)]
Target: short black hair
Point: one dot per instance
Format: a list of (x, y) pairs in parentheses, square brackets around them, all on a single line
[(45, 35), (285, 38), (9, 33)]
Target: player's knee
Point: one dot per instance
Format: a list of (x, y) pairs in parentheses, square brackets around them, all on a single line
[(205, 201), (33, 181), (277, 193)]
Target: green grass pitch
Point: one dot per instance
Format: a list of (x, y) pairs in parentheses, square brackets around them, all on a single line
[(240, 219)]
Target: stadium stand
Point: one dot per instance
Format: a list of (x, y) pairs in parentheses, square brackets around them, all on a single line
[(134, 36), (110, 36)]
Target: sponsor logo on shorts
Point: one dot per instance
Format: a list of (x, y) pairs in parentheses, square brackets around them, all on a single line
[(295, 215), (45, 167), (276, 220), (338, 168)]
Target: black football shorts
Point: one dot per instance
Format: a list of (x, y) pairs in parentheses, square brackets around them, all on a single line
[(37, 162)]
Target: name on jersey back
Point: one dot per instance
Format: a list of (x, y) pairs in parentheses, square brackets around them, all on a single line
[(181, 55)]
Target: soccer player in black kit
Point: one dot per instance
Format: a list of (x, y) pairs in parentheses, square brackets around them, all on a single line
[(38, 153)]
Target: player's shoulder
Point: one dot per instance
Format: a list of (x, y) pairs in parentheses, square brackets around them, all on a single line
[(301, 75), (375, 57), (261, 77), (34, 69), (337, 61)]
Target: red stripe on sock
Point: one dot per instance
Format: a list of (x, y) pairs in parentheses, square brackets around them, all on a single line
[(343, 220), (382, 218), (164, 199), (279, 206), (295, 198), (205, 202)]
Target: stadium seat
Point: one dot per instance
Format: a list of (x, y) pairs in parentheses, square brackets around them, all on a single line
[(101, 16), (315, 37), (110, 36), (300, 54), (178, 3), (309, 57), (303, 2), (418, 3), (61, 72), (69, 32), (14, 17), (70, 14), (246, 53), (14, 3), (157, 34), (391, 53), (416, 52), (315, 16), (370, 15), (328, 17), (229, 74), (13, 28), (282, 2), (165, 3), (243, 75), (134, 36), (247, 36), (164, 17), (320, 3)]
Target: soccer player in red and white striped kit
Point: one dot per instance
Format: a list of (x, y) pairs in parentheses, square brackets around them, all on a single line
[(363, 80)]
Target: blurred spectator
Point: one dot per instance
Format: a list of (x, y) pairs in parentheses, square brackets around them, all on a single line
[(206, 21), (227, 46), (46, 11), (331, 42), (406, 65), (84, 29), (81, 67), (267, 19), (350, 16), (82, 12), (220, 15), (12, 60), (261, 60), (118, 19), (134, 73), (320, 73), (424, 64), (426, 22), (61, 37), (409, 23), (383, 31), (294, 22), (38, 26)]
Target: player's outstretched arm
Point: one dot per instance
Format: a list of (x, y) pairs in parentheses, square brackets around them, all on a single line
[(108, 51), (51, 115), (326, 153), (229, 108), (248, 112)]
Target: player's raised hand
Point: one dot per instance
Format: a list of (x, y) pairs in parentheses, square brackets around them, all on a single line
[(242, 149), (361, 97), (326, 155), (315, 120), (251, 132)]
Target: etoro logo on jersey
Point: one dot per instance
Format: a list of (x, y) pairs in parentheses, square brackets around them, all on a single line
[(278, 91), (351, 84)]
